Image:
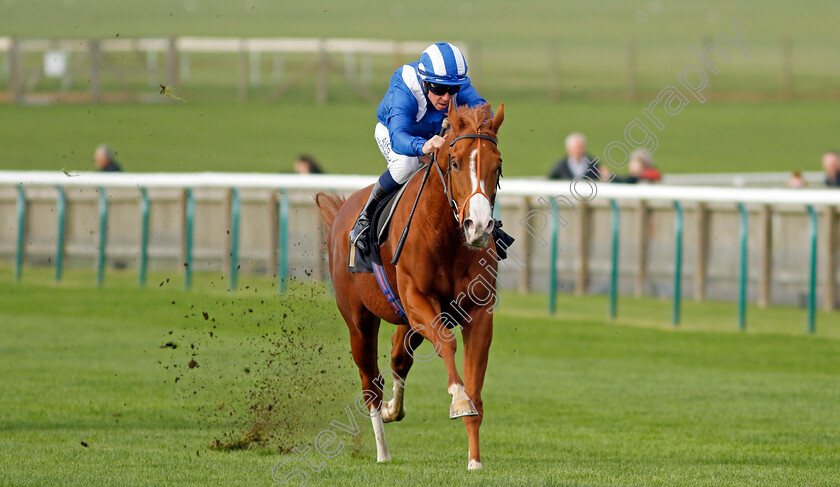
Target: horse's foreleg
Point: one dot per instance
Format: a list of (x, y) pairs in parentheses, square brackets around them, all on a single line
[(477, 337), (427, 320), (461, 405), (403, 345)]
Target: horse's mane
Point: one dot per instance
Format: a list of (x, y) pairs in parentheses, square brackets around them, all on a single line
[(475, 118)]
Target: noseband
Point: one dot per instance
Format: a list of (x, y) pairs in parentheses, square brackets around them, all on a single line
[(459, 213)]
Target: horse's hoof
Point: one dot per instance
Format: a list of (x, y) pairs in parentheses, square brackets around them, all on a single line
[(461, 408), (474, 465), (388, 415)]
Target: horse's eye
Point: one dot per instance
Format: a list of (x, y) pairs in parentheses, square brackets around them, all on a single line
[(454, 164)]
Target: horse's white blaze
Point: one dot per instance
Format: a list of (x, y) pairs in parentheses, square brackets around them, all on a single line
[(474, 465), (382, 454), (473, 172), (480, 214), (480, 211)]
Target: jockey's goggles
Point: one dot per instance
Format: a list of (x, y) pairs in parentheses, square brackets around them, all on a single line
[(440, 89)]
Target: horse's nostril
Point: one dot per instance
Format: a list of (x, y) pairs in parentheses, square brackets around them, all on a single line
[(468, 225), (490, 226)]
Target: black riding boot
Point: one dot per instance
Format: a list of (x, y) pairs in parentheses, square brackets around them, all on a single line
[(363, 223)]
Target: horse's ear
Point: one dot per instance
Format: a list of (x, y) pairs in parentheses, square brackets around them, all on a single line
[(499, 118), (454, 119)]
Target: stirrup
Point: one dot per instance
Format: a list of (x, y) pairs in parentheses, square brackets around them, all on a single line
[(358, 241)]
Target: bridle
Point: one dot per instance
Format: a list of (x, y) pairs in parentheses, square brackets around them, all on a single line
[(459, 213)]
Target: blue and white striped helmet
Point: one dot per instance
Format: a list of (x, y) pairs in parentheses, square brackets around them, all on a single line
[(443, 63)]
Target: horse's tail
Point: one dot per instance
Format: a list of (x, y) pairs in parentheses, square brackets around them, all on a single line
[(328, 206)]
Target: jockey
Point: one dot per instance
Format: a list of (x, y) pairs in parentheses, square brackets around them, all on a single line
[(410, 117)]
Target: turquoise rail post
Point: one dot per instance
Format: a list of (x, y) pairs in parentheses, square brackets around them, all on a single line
[(678, 237), (61, 210), (282, 261), (188, 239), (552, 266), (742, 286), (235, 208), (616, 214), (812, 273), (21, 230), (103, 236), (144, 235)]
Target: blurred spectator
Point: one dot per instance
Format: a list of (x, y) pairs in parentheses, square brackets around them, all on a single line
[(796, 180), (606, 174), (640, 169), (577, 162), (831, 166), (104, 159), (305, 164)]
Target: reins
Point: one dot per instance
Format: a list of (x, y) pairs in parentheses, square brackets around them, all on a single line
[(432, 161), (458, 214)]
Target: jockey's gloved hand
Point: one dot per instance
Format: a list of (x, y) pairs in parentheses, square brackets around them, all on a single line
[(435, 142)]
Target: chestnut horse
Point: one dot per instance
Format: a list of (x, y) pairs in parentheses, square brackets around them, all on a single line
[(448, 249)]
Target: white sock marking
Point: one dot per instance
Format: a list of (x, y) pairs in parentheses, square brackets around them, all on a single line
[(382, 454)]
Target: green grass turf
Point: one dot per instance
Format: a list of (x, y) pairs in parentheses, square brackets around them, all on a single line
[(589, 38), (208, 133), (713, 137), (489, 20), (570, 400)]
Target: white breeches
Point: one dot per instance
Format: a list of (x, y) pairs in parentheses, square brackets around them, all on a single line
[(401, 167)]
